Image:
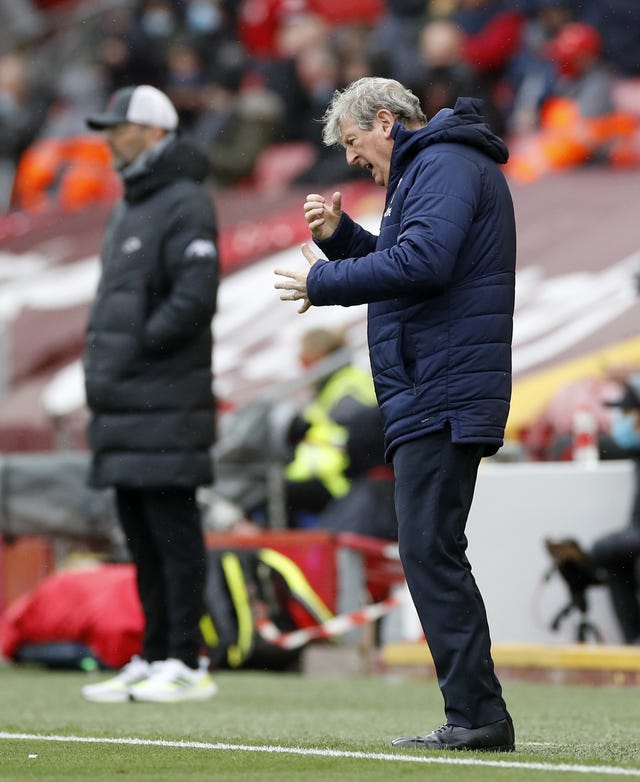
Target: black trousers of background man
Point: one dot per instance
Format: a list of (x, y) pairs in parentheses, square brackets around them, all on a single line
[(435, 481), (164, 534)]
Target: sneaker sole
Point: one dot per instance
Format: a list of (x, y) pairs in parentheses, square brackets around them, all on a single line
[(112, 697), (201, 694)]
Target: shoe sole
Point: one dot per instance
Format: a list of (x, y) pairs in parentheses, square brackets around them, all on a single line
[(454, 748), (178, 697), (119, 697)]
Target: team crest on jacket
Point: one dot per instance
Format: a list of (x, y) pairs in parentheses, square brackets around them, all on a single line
[(200, 248), (131, 245)]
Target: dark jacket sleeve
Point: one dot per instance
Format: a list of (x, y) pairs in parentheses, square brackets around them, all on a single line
[(423, 248)]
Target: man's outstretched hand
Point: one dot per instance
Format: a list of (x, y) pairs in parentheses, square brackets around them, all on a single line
[(294, 283)]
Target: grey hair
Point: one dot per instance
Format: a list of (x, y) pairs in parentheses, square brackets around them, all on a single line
[(362, 100)]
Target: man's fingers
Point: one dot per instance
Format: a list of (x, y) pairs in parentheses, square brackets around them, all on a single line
[(304, 306), (309, 254), (337, 201), (288, 279)]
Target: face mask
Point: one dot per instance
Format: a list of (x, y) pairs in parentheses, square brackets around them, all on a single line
[(203, 17), (158, 23), (624, 432)]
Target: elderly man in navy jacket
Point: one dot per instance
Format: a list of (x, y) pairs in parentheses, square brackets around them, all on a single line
[(439, 281)]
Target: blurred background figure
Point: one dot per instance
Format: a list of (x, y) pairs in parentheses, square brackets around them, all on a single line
[(616, 556), (393, 41), (618, 22), (578, 121), (251, 79), (583, 75), (493, 36), (612, 560), (23, 111), (532, 74), (446, 75), (321, 468)]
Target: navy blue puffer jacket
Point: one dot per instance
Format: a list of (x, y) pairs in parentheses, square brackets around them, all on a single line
[(439, 280)]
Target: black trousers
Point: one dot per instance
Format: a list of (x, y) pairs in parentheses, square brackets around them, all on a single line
[(164, 534), (435, 481)]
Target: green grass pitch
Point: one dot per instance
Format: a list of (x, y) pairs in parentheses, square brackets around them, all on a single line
[(268, 727)]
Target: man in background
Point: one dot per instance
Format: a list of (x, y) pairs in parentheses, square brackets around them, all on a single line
[(616, 556), (321, 468), (148, 357)]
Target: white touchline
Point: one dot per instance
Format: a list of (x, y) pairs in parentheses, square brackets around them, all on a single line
[(334, 753)]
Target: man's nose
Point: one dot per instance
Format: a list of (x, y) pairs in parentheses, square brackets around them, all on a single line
[(352, 156)]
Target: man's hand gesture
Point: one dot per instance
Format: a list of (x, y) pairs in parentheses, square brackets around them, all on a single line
[(322, 218), (295, 282)]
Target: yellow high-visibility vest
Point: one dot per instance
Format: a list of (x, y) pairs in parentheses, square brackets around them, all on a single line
[(322, 455)]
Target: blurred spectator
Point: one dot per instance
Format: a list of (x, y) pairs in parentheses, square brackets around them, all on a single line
[(71, 173), (368, 508), (78, 89), (578, 123), (617, 554), (236, 126), (186, 81), (319, 471), (532, 74), (350, 45), (582, 73), (20, 21), (550, 436), (318, 73), (135, 47), (614, 559), (209, 28), (248, 73), (208, 23), (296, 35), (23, 111), (493, 36), (304, 74), (446, 76), (393, 41), (121, 61), (618, 22), (493, 30), (259, 22)]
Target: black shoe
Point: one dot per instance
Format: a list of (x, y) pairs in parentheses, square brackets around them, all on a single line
[(496, 737)]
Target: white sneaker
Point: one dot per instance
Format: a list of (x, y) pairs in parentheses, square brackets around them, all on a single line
[(116, 689), (172, 681)]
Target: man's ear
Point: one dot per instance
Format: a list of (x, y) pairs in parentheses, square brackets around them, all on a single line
[(387, 121)]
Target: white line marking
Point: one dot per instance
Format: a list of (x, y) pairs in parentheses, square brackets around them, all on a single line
[(335, 753)]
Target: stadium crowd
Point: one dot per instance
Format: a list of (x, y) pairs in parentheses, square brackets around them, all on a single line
[(560, 79)]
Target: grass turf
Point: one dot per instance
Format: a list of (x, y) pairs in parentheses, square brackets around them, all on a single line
[(560, 731)]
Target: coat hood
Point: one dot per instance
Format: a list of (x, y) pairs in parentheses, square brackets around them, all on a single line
[(180, 158), (464, 124)]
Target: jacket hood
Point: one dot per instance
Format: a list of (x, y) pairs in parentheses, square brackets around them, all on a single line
[(180, 158), (464, 124)]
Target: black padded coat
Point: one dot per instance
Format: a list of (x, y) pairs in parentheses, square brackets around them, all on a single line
[(148, 347)]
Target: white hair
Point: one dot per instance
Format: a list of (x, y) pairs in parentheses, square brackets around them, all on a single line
[(362, 100)]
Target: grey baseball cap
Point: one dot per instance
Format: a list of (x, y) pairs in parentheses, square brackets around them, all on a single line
[(144, 105)]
